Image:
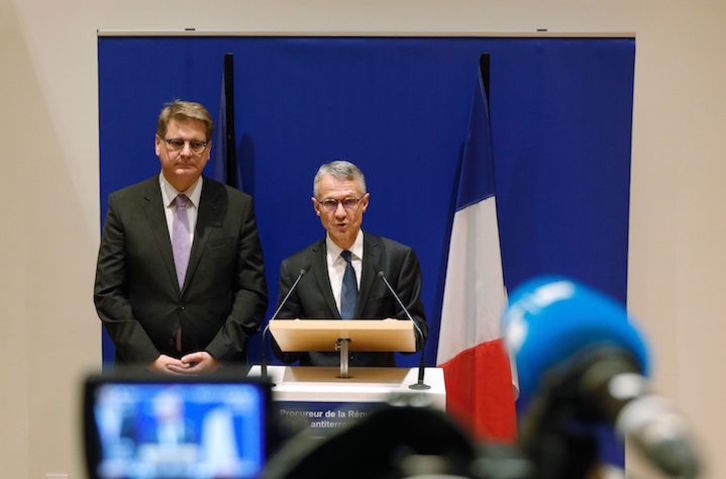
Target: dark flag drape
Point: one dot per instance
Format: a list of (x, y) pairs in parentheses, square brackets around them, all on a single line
[(224, 166)]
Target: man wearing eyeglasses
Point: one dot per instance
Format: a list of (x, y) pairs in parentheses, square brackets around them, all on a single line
[(342, 268), (180, 282)]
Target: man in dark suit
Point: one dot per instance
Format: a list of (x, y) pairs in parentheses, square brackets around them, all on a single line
[(342, 280), (180, 282)]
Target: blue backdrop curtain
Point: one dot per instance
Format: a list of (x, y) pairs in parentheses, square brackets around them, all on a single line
[(561, 115)]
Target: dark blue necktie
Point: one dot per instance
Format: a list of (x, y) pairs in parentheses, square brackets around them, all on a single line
[(349, 291)]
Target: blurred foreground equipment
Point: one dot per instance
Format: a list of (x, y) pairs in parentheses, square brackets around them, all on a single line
[(582, 362), (396, 442)]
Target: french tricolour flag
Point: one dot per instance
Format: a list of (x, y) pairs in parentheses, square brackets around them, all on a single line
[(480, 386)]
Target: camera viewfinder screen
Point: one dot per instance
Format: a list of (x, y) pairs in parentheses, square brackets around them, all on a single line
[(196, 430)]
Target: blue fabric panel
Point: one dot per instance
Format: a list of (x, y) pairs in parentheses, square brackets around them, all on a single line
[(561, 115)]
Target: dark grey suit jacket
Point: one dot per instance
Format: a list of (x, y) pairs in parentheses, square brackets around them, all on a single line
[(314, 299), (137, 295)]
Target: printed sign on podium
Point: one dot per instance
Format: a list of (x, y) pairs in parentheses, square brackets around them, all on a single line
[(316, 398), (325, 398)]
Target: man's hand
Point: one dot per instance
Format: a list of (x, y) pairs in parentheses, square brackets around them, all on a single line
[(167, 365), (196, 363)]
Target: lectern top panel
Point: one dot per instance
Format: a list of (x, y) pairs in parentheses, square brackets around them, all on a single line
[(300, 335)]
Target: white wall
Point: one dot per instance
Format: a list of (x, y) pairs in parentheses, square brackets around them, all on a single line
[(49, 192)]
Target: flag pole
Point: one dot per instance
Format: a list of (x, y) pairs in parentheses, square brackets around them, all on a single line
[(485, 68), (231, 151)]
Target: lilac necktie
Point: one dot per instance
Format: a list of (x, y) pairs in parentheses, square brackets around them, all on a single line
[(181, 242)]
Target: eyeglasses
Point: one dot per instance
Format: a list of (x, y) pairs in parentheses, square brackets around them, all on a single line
[(177, 144), (331, 204)]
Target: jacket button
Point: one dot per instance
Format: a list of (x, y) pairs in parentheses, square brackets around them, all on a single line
[(172, 341), (181, 306)]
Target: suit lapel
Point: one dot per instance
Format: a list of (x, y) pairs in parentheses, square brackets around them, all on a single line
[(154, 210), (208, 216), (320, 273), (371, 261)]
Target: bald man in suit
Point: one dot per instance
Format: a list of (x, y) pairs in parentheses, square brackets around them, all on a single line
[(180, 283)]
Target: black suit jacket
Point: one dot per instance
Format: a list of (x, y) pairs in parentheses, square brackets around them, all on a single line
[(137, 295), (313, 297)]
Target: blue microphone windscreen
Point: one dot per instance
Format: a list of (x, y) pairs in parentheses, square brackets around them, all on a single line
[(551, 319)]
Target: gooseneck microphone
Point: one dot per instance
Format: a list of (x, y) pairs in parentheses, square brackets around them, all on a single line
[(580, 358), (263, 366), (421, 367)]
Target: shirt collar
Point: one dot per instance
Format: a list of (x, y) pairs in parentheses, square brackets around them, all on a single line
[(333, 250), (169, 193)]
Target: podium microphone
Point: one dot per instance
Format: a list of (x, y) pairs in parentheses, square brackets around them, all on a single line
[(421, 367), (263, 366)]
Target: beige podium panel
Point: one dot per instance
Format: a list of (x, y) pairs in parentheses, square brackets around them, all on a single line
[(316, 398), (296, 335)]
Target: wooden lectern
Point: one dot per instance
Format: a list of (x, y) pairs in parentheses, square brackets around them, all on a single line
[(314, 398), (370, 335)]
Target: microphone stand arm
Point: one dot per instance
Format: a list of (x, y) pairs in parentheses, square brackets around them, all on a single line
[(263, 366), (421, 367)]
